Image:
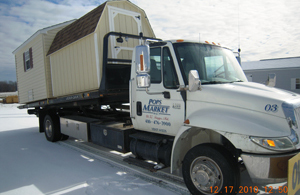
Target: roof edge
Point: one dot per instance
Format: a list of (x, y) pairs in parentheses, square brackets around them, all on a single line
[(42, 31), (271, 69), (280, 58)]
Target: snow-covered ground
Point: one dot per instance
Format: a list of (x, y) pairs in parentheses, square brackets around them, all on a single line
[(31, 165)]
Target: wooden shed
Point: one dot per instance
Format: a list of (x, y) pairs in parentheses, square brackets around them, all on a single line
[(11, 99), (76, 54), (33, 66)]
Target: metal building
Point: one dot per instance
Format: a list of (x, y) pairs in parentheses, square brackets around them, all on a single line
[(287, 72)]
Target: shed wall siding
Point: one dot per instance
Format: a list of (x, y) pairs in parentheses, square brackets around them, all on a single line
[(74, 68), (33, 79)]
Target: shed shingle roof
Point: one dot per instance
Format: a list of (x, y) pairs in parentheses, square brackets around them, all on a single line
[(78, 29)]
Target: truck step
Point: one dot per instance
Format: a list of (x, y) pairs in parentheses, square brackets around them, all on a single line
[(140, 163)]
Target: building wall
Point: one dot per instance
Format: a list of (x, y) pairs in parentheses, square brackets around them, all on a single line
[(285, 78), (73, 68), (32, 81)]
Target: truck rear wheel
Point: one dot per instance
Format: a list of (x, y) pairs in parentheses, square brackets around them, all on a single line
[(52, 128), (210, 169)]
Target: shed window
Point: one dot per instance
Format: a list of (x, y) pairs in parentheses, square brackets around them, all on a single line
[(27, 57)]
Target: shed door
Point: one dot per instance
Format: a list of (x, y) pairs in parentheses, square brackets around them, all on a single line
[(125, 21)]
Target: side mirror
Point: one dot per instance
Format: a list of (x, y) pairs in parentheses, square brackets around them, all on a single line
[(271, 82), (142, 59), (143, 80), (194, 81)]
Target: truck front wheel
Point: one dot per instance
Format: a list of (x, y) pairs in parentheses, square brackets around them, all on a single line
[(52, 128), (210, 169)]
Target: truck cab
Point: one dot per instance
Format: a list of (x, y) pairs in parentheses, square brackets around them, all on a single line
[(197, 93), (164, 102)]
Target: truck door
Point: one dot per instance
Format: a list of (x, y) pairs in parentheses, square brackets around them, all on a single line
[(160, 108), (125, 21)]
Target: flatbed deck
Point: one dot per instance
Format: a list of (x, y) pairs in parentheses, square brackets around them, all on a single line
[(80, 99)]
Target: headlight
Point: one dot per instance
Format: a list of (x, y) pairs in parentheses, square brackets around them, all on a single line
[(281, 143)]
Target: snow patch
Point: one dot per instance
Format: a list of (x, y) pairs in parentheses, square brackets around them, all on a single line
[(13, 118)]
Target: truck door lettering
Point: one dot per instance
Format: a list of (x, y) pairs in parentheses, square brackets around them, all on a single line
[(156, 107), (157, 122), (154, 102)]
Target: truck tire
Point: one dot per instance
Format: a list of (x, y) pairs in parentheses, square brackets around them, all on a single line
[(210, 169), (52, 128)]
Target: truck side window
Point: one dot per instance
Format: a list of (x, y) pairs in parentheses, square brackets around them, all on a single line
[(155, 65), (169, 73)]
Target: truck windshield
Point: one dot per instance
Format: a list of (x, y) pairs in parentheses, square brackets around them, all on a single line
[(213, 63)]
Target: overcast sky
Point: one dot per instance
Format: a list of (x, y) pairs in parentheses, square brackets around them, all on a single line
[(263, 28)]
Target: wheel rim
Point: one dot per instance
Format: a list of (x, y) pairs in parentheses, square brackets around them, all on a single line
[(48, 128), (206, 175)]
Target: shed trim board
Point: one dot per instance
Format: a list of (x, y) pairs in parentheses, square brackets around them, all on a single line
[(45, 63), (51, 76), (97, 58)]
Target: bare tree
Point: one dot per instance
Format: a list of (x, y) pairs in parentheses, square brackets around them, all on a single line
[(9, 86)]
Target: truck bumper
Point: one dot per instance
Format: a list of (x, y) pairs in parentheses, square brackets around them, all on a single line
[(267, 168)]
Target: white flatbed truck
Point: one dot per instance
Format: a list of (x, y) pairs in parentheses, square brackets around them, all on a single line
[(191, 109)]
